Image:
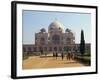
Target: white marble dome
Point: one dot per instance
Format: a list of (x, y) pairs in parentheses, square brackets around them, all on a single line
[(56, 26)]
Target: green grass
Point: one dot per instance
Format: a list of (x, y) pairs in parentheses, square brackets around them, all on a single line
[(85, 59), (25, 56)]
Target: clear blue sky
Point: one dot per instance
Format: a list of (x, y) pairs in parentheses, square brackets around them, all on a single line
[(33, 21)]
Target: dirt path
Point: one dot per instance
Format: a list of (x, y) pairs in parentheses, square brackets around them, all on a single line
[(48, 62)]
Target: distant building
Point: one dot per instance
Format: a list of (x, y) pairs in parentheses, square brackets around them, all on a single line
[(55, 40)]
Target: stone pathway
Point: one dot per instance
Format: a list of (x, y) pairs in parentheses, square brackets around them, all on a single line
[(34, 62)]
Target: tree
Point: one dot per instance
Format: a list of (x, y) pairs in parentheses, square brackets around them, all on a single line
[(82, 43)]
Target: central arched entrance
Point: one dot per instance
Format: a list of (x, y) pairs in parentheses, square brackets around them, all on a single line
[(56, 39)]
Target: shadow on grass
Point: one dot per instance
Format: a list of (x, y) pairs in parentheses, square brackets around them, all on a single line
[(83, 61)]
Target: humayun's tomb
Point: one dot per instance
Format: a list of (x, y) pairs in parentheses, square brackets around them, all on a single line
[(56, 39)]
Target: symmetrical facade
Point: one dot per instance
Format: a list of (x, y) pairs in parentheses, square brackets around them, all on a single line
[(55, 39)]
